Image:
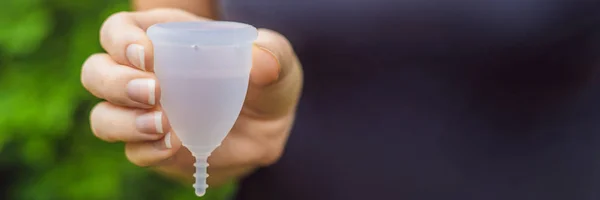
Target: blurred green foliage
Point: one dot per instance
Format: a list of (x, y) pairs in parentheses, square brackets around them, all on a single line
[(47, 151)]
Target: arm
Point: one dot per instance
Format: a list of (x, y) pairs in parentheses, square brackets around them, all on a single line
[(203, 8)]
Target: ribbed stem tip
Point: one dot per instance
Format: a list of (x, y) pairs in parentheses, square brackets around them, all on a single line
[(201, 175)]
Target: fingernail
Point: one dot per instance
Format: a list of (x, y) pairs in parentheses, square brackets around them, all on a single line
[(158, 122), (168, 140), (150, 122), (135, 55), (273, 56), (270, 67), (142, 91), (165, 143)]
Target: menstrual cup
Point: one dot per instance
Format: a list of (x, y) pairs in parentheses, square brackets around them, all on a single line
[(203, 68)]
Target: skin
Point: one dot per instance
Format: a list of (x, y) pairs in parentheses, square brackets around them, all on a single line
[(203, 8), (123, 75)]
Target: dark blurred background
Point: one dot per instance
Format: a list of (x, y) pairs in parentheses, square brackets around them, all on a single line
[(47, 150)]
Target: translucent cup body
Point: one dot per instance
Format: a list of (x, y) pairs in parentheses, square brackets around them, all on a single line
[(203, 69)]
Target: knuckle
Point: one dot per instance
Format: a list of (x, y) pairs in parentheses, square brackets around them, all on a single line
[(88, 69), (132, 155), (93, 59), (271, 155), (112, 20), (96, 122), (273, 147), (119, 15), (85, 70), (115, 18), (108, 81)]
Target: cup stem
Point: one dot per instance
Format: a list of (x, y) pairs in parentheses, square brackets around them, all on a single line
[(201, 175)]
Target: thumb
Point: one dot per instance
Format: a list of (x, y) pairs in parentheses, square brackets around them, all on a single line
[(272, 53), (275, 78)]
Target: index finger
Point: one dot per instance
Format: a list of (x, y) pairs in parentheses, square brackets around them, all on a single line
[(123, 35)]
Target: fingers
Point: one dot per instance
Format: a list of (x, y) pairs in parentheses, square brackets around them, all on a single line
[(119, 84), (126, 42), (154, 152), (276, 77), (265, 67), (272, 57), (119, 124), (124, 38)]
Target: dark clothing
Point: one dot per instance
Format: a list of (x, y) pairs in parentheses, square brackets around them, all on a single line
[(437, 99)]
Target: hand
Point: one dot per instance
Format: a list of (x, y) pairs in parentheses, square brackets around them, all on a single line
[(132, 114)]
